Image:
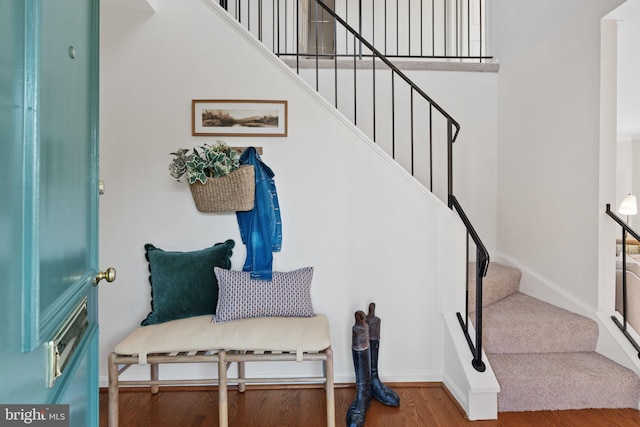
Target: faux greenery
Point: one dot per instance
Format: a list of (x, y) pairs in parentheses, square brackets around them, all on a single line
[(209, 161)]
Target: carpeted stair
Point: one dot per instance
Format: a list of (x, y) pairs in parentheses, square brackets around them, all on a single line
[(543, 356)]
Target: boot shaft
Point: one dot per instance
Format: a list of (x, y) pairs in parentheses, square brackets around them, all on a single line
[(360, 333), (373, 322)]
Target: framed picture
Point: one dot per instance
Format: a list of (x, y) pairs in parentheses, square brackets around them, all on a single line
[(211, 117)]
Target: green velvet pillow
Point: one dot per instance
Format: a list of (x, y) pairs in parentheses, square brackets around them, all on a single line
[(183, 284)]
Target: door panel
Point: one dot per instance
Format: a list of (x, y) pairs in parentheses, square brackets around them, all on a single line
[(66, 214), (49, 194)]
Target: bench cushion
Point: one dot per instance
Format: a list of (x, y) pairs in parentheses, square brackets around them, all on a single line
[(283, 334)]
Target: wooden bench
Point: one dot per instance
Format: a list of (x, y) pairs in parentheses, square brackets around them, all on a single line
[(198, 340)]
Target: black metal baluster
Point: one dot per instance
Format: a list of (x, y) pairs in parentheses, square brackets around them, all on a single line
[(433, 28), (385, 26), (430, 146), (477, 361), (393, 116), (468, 27), (360, 26), (445, 28), (450, 157), (480, 12), (355, 76), (346, 33), (409, 25), (373, 24), (624, 280), (276, 25), (457, 33), (297, 6), (411, 129), (421, 27), (260, 20), (466, 298), (335, 61), (373, 58), (317, 51), (397, 27)]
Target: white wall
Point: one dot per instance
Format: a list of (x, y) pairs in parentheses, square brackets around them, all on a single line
[(371, 232), (548, 146), (635, 178), (624, 171), (470, 98), (628, 16)]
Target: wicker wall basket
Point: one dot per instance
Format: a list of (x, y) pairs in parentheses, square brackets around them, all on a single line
[(234, 192)]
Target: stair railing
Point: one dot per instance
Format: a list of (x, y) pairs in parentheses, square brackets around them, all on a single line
[(626, 230), (482, 265), (426, 123)]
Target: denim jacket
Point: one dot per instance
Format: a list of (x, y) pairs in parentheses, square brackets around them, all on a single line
[(261, 227)]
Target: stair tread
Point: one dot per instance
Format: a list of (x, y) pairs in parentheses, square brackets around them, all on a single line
[(559, 381), (523, 324), (500, 282)]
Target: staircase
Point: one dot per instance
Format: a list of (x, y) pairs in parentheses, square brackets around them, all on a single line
[(543, 356), (374, 94)]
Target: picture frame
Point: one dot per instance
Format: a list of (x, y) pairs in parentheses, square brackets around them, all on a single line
[(217, 117)]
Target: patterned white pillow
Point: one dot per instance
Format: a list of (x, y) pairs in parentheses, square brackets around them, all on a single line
[(288, 294)]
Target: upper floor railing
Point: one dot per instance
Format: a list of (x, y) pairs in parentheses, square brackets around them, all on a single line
[(377, 96), (426, 29)]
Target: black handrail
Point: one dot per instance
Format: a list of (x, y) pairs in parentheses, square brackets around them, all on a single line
[(452, 128), (625, 230), (482, 265)]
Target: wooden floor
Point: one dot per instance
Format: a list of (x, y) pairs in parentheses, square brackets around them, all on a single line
[(420, 405)]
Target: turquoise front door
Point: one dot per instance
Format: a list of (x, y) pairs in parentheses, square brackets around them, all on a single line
[(49, 205)]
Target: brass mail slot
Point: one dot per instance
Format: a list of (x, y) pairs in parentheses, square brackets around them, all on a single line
[(61, 347)]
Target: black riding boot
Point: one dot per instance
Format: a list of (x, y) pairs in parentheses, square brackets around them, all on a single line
[(381, 392), (362, 364)]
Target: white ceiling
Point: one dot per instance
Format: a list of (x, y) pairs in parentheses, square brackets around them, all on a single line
[(628, 69)]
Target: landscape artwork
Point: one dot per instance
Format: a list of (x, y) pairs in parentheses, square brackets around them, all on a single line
[(239, 118)]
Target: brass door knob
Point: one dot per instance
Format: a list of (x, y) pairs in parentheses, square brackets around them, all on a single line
[(109, 275)]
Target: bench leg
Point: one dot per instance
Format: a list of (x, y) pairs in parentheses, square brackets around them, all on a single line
[(329, 388), (154, 377), (113, 390), (223, 410), (241, 375)]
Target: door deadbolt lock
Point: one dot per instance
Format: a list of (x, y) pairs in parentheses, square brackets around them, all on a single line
[(109, 275)]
